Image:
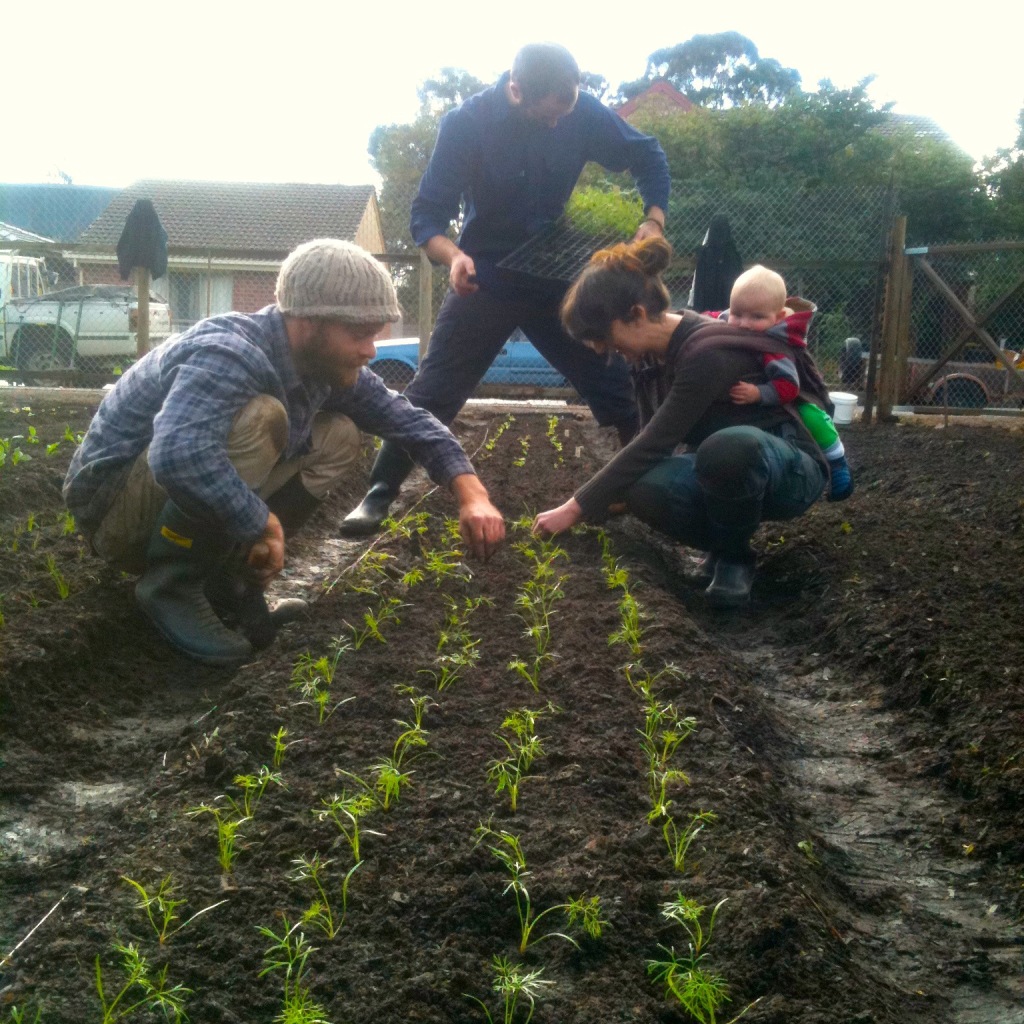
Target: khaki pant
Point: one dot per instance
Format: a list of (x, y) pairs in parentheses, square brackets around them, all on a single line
[(257, 438)]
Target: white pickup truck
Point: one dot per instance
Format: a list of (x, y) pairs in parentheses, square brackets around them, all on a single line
[(88, 330)]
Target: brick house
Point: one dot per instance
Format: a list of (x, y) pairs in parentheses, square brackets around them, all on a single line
[(226, 240)]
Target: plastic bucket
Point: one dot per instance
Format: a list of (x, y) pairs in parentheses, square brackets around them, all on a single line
[(845, 404)]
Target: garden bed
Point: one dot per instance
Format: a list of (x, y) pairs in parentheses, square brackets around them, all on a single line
[(857, 739)]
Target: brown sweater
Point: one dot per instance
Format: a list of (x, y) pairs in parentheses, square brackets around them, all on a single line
[(683, 401)]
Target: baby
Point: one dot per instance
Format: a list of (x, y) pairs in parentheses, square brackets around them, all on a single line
[(758, 302)]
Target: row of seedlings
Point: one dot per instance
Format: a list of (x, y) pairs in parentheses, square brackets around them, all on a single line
[(686, 979)]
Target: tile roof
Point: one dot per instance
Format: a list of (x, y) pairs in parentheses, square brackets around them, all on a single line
[(920, 127), (237, 217)]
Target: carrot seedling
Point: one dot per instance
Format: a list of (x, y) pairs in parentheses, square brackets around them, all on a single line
[(698, 991), (161, 907), (509, 852), (288, 953), (511, 983), (140, 991)]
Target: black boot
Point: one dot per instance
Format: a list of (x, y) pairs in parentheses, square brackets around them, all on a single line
[(731, 585), (238, 599), (389, 471), (179, 558), (293, 505)]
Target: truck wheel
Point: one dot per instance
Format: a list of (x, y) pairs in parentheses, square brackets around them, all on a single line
[(960, 393), (396, 374), (36, 348)]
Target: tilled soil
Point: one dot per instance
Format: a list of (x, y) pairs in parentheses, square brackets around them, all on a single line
[(857, 737)]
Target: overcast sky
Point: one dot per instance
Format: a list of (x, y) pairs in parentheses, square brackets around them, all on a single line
[(109, 91)]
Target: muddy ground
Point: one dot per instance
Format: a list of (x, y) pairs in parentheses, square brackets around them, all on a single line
[(859, 738)]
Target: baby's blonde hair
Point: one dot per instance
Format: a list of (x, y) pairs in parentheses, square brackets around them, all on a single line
[(761, 282)]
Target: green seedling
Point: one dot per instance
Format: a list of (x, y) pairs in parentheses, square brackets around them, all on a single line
[(66, 521), (19, 1016), (313, 678), (347, 812), (445, 563), (253, 787), (631, 633), (388, 772), (501, 428), (320, 913), (413, 524), (698, 991), (63, 590), (141, 990), (587, 911), (524, 747), (659, 782), (161, 907), (228, 833), (524, 451), (373, 621), (678, 840), (289, 953), (512, 983), (280, 746), (552, 435)]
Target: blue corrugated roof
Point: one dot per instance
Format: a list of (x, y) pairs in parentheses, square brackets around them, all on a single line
[(60, 212)]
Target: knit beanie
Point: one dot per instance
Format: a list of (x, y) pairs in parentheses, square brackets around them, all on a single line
[(331, 278)]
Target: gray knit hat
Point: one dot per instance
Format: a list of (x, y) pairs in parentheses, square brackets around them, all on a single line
[(331, 278)]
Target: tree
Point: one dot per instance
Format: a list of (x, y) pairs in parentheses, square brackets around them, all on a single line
[(719, 71), (1004, 183), (400, 152)]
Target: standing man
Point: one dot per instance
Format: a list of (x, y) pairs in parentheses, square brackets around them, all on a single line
[(219, 444), (512, 155)]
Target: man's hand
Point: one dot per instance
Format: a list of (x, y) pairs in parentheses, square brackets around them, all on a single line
[(480, 523), (462, 275), (744, 393), (461, 268), (653, 224), (557, 520), (266, 556)]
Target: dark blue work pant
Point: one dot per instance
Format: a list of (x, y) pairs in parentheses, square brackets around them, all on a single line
[(469, 333), (714, 498)]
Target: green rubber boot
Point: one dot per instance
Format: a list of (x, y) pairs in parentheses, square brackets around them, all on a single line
[(179, 558)]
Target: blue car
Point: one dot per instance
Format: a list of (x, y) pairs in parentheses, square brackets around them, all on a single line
[(518, 363)]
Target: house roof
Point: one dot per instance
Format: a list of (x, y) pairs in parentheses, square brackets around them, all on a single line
[(60, 212), (237, 217), (660, 95), (921, 127), (13, 235)]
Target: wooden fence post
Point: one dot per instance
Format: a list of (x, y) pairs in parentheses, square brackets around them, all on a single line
[(426, 312), (888, 373), (142, 332)]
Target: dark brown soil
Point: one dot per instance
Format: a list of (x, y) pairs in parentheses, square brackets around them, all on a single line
[(859, 738)]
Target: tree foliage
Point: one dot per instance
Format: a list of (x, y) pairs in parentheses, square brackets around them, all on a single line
[(1004, 182), (718, 71)]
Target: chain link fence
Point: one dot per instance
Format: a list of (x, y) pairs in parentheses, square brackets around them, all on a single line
[(967, 306), (68, 317)]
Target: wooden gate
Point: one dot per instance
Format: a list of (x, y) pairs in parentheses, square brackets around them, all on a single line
[(970, 370)]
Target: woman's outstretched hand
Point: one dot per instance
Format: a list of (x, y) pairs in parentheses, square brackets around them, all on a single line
[(557, 520)]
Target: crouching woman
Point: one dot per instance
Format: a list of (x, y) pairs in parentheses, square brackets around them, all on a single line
[(741, 464)]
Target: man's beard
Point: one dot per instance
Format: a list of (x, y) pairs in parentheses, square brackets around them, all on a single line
[(317, 366)]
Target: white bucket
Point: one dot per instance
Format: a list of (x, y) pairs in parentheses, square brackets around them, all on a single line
[(845, 404)]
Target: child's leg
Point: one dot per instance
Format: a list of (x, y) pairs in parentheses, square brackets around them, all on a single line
[(823, 430), (819, 423)]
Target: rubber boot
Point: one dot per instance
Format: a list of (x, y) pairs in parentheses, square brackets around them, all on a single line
[(238, 599), (730, 587), (293, 505), (389, 471), (179, 558)]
